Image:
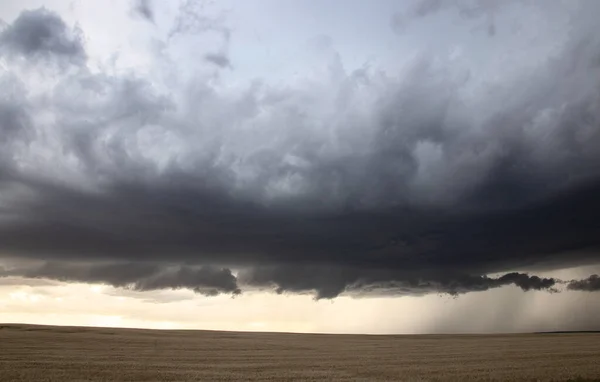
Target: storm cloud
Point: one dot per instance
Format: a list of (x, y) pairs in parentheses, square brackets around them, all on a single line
[(591, 284), (423, 180), (206, 280), (331, 282), (324, 282)]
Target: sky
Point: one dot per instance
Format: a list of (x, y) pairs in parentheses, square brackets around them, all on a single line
[(428, 166)]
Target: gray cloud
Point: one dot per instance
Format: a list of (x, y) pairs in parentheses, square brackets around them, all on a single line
[(193, 18), (218, 59), (15, 124), (144, 9), (526, 282), (433, 174), (591, 284), (324, 282), (417, 9), (469, 9), (206, 280), (42, 35), (329, 282)]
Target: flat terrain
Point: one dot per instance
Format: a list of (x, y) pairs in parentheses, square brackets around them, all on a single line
[(45, 353)]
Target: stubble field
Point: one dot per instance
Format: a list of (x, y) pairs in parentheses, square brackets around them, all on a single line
[(45, 353)]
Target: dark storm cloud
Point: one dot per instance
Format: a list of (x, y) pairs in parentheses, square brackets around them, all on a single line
[(591, 284), (419, 182), (206, 280), (325, 282), (329, 282), (42, 34), (526, 282)]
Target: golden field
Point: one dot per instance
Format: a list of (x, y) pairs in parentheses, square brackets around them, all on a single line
[(45, 353)]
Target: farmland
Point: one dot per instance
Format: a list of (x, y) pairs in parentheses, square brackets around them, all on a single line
[(45, 353)]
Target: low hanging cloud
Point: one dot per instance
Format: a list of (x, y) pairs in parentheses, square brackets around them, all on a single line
[(323, 282), (591, 284), (331, 282), (423, 180), (206, 280)]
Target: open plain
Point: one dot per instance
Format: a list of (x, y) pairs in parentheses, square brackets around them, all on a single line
[(45, 353)]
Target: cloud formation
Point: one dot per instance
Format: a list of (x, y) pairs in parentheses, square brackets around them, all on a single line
[(42, 35), (591, 284), (478, 10), (325, 282), (219, 59), (144, 9), (206, 280), (333, 281), (419, 181)]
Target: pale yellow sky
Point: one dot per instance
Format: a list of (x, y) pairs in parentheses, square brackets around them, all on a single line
[(501, 310)]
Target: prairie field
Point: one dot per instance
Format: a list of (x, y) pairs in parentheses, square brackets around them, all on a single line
[(46, 353)]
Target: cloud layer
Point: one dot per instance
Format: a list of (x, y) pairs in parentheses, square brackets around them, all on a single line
[(42, 35), (205, 280), (416, 181), (591, 284)]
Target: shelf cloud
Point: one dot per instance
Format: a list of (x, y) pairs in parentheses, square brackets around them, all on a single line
[(424, 180)]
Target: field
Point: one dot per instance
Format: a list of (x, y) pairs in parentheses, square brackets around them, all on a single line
[(45, 353)]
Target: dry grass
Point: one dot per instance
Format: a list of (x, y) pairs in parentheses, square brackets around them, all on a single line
[(44, 353)]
